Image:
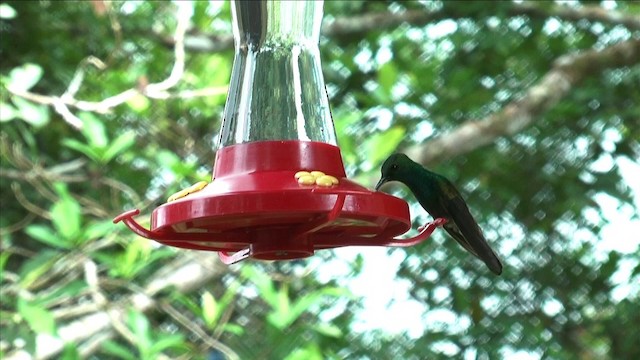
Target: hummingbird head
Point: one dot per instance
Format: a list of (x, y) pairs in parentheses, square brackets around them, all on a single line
[(396, 168)]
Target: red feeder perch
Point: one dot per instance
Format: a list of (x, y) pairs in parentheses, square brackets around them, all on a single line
[(277, 124)]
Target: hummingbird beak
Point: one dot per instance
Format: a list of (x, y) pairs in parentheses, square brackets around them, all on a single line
[(381, 182)]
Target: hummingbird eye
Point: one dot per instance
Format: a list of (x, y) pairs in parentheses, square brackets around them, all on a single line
[(394, 167)]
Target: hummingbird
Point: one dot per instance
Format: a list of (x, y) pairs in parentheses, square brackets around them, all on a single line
[(441, 199)]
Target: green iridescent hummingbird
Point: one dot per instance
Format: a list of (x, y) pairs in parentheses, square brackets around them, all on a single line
[(441, 199)]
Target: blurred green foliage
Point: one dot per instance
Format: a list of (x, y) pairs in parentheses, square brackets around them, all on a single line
[(538, 194)]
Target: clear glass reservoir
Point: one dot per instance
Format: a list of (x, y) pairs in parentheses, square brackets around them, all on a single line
[(277, 89)]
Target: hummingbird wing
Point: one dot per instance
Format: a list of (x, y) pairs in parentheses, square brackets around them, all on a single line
[(465, 230)]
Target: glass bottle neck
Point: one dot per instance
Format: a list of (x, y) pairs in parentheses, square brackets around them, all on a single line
[(277, 89)]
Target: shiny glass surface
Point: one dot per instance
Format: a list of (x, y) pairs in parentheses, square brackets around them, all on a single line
[(277, 89)]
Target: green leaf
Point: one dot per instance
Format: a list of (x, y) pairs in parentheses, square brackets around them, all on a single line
[(304, 304), (93, 130), (152, 254), (381, 145), (39, 318), (135, 257), (611, 265), (329, 330), (210, 309), (98, 229), (387, 77), (344, 122), (264, 284), (234, 329), (120, 144), (167, 157), (108, 260), (83, 148), (4, 257), (177, 165), (68, 291), (7, 112), (381, 96), (219, 67), (289, 314), (116, 349), (46, 235), (187, 302), (35, 114), (70, 352), (66, 214), (37, 266), (139, 324), (310, 352), (139, 254), (25, 77), (164, 343), (284, 304), (229, 295)]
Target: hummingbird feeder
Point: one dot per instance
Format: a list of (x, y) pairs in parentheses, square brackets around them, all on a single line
[(279, 189)]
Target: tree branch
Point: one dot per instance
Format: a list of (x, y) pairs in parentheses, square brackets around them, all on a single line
[(352, 25), (158, 90), (567, 71), (186, 273), (570, 13), (375, 21), (196, 330)]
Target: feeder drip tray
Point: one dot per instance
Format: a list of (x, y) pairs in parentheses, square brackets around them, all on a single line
[(259, 205)]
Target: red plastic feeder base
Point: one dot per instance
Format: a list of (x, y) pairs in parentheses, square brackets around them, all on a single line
[(256, 208)]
